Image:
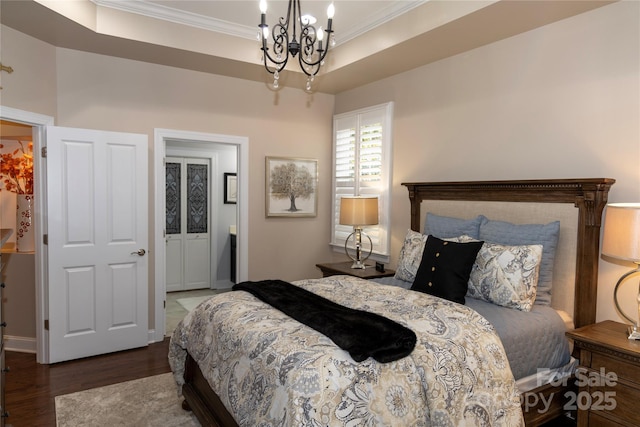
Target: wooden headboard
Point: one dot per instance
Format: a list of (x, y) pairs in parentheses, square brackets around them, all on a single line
[(589, 196)]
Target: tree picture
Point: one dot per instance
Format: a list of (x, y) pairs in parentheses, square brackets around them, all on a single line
[(291, 187)]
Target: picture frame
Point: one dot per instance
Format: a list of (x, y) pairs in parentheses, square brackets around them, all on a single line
[(281, 200), (230, 188)]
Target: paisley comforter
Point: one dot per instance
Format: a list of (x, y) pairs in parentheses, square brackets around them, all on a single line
[(270, 370)]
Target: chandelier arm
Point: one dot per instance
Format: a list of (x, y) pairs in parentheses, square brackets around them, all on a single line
[(296, 16), (304, 65), (286, 22), (280, 40), (309, 48), (322, 54)]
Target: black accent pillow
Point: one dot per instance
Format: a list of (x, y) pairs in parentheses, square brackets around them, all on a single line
[(445, 268)]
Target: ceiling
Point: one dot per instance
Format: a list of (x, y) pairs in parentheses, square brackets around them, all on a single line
[(374, 39)]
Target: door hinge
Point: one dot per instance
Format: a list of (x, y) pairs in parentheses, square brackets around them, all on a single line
[(43, 150), (46, 324), (45, 239), (165, 303)]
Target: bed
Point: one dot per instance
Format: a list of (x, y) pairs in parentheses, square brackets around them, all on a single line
[(576, 204)]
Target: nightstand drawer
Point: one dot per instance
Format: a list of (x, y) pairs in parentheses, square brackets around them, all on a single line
[(626, 400), (597, 420), (612, 365)]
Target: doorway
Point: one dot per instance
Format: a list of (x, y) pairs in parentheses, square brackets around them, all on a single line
[(18, 273), (228, 154), (38, 123)]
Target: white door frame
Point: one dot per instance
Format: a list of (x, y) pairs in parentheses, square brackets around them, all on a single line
[(242, 213), (38, 122)]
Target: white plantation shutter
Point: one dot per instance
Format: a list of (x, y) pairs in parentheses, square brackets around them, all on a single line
[(362, 167)]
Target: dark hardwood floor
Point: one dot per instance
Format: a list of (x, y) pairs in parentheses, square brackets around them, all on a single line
[(31, 387)]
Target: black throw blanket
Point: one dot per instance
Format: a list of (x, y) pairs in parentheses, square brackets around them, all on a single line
[(361, 333)]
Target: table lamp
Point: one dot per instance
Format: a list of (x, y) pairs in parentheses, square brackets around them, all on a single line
[(358, 212), (621, 240)]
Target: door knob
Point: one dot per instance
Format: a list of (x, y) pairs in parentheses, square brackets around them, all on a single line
[(139, 252)]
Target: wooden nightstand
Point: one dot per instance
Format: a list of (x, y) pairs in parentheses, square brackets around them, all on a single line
[(608, 376), (332, 269)]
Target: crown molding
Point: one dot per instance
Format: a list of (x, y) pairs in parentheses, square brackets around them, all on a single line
[(166, 13), (170, 14), (382, 16)]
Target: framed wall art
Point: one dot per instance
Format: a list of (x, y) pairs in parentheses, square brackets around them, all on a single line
[(230, 188), (291, 187)]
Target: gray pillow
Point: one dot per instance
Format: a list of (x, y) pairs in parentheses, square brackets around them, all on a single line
[(410, 256), (506, 233), (445, 227)]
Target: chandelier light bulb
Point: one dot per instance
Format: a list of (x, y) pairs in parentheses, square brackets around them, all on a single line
[(265, 32), (263, 6), (320, 34), (331, 10)]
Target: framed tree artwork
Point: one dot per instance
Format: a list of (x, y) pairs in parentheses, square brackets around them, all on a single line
[(291, 187), (230, 188)]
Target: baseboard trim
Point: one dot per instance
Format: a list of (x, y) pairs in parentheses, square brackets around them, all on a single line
[(20, 344)]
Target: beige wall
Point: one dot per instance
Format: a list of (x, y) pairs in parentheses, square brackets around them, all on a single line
[(32, 85), (559, 101), (114, 94), (562, 101), (99, 92)]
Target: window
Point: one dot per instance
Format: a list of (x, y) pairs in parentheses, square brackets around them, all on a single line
[(362, 167)]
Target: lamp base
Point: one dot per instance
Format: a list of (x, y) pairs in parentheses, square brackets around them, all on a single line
[(358, 260), (634, 333), (359, 264)]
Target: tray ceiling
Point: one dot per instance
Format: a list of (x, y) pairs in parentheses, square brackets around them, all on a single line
[(374, 39)]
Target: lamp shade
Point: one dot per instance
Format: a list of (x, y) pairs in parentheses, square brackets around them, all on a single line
[(359, 210), (622, 231)]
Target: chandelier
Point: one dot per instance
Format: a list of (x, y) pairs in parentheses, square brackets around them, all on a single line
[(285, 41)]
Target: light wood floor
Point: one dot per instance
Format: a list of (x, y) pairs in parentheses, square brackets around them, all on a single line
[(175, 312)]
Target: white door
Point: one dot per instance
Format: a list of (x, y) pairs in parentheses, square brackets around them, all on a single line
[(173, 229), (188, 222), (97, 228)]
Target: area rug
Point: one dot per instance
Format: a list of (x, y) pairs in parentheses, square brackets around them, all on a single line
[(192, 302), (147, 402)]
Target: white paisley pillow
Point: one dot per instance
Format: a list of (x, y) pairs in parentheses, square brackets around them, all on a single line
[(410, 256), (506, 275)]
